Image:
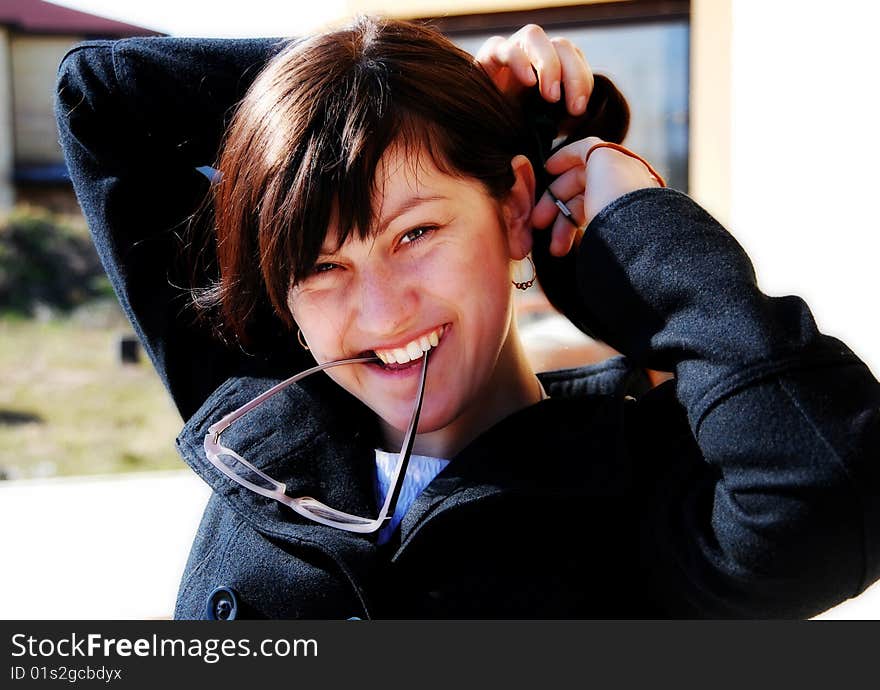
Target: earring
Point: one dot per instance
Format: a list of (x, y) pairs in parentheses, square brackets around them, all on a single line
[(523, 283), (299, 336)]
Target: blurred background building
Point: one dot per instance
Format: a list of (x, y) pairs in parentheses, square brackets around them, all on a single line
[(34, 36)]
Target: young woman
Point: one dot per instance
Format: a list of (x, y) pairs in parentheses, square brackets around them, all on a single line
[(374, 201)]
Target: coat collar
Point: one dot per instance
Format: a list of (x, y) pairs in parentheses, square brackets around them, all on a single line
[(319, 441)]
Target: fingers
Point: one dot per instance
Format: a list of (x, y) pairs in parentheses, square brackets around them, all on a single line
[(586, 187), (488, 57), (500, 57), (577, 77), (542, 54), (557, 61), (565, 187), (570, 155), (568, 189), (565, 235)]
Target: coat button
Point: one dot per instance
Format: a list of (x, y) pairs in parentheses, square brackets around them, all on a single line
[(222, 605)]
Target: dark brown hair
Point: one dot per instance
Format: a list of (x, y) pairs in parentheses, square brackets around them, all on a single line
[(306, 140)]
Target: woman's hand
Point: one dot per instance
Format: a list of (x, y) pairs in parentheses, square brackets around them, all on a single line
[(512, 63), (587, 189)]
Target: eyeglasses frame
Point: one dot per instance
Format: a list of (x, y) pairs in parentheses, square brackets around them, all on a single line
[(306, 506)]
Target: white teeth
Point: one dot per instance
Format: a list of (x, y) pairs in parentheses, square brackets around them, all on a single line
[(412, 350)]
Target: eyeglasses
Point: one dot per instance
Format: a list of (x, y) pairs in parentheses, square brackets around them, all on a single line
[(244, 473)]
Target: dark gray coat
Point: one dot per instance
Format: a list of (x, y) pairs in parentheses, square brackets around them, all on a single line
[(746, 487)]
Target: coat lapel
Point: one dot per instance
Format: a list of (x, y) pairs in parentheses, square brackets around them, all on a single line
[(316, 439), (568, 445), (320, 442)]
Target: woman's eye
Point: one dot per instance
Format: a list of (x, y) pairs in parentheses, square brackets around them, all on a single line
[(321, 269), (417, 234)]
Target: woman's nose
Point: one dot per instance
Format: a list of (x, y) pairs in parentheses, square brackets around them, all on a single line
[(385, 302)]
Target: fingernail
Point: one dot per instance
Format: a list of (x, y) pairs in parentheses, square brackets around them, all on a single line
[(580, 105), (554, 91)]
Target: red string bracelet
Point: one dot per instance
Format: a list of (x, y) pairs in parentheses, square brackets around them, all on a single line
[(623, 149)]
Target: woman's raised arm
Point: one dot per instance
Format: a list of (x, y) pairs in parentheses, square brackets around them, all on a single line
[(767, 503), (136, 118)]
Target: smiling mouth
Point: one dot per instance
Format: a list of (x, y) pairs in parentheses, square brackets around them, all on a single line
[(406, 356)]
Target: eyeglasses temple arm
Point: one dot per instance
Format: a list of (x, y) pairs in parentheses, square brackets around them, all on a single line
[(220, 426), (406, 448)]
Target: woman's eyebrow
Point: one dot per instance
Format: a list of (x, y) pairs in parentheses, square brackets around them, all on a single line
[(407, 205)]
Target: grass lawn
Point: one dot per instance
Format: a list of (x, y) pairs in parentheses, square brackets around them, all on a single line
[(68, 406)]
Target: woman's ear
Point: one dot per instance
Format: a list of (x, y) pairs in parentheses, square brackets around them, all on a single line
[(517, 208)]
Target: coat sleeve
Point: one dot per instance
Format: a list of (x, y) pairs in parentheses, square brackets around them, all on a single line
[(758, 463), (136, 118)]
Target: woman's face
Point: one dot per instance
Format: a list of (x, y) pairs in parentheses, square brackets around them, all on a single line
[(437, 275)]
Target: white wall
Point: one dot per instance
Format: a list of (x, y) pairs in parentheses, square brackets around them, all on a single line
[(805, 158), (96, 548)]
